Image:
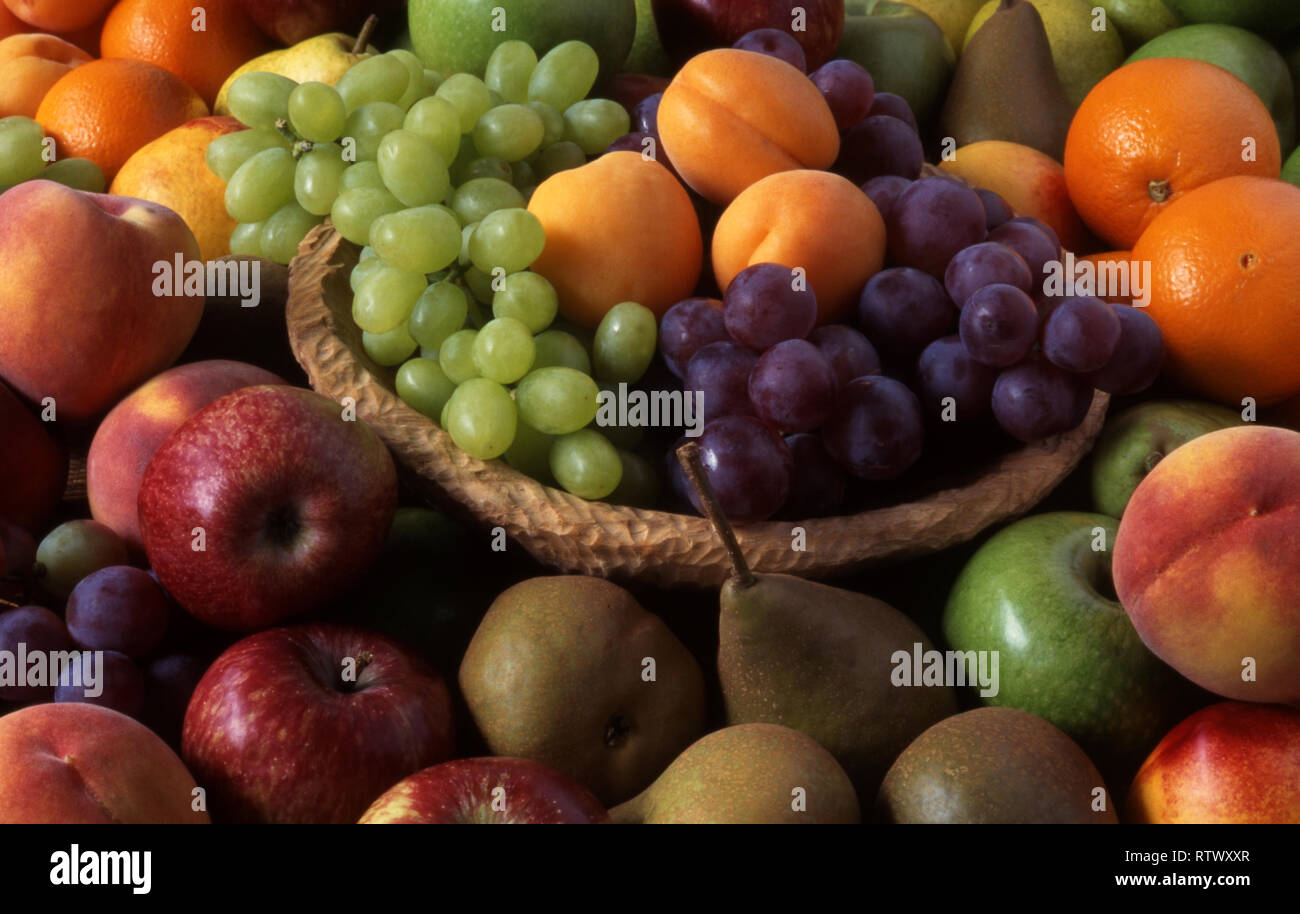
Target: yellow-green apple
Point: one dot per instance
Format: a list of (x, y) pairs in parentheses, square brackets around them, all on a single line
[(310, 723), (487, 791), (78, 763), (687, 27), (80, 321), (33, 464), (264, 505), (136, 426), (1204, 562), (1232, 762)]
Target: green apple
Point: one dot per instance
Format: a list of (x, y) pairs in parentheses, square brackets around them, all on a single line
[(1039, 593), (1138, 21), (1271, 17), (648, 54), (1252, 59), (458, 36), (903, 49), (1135, 440), (1291, 169)]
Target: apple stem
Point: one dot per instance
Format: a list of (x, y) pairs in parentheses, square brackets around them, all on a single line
[(9, 603), (363, 36), (689, 457)]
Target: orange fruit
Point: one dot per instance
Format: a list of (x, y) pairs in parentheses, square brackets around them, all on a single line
[(1156, 129), (172, 171), (59, 15), (107, 109), (29, 65), (1225, 261), (202, 49)]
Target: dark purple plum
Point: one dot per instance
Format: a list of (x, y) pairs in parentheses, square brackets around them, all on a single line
[(115, 683), (39, 632), (119, 608), (645, 116), (169, 683)]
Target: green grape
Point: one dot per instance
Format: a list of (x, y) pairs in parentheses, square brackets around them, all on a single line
[(415, 87), (527, 297), (510, 132), (261, 186), (246, 239), (639, 485), (625, 342), (382, 78), (595, 123), (586, 464), (367, 253), (503, 350), (355, 210), (318, 179), (623, 437), (530, 453), (475, 199), (259, 99), (425, 239), (557, 348), (385, 298), (412, 170), (481, 285), (367, 127), (557, 400), (439, 312), (285, 230), (424, 386), (508, 239), (230, 150), (486, 167), (552, 121), (21, 150), (363, 269), (389, 349), (456, 356), (496, 99), (361, 174), (438, 121), (81, 174), (481, 418), (509, 68), (466, 233), (522, 176), (468, 95), (565, 75), (317, 113), (560, 157), (432, 80)]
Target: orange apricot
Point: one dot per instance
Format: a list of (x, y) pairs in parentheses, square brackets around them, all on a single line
[(29, 65)]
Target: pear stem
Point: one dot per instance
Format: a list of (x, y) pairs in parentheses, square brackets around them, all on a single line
[(9, 603), (689, 457), (363, 36)]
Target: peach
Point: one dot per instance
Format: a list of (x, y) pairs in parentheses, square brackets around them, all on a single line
[(618, 229), (1230, 763), (810, 219), (1032, 183), (730, 118), (81, 764), (80, 321), (59, 15), (33, 465), (29, 65), (1204, 562), (134, 429)]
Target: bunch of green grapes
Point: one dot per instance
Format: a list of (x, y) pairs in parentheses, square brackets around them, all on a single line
[(23, 158)]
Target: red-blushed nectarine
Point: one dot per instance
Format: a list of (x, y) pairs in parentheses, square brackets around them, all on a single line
[(33, 465)]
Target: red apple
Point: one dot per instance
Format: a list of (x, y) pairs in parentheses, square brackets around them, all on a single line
[(33, 465), (265, 504), (79, 320), (487, 791), (75, 764), (134, 429), (290, 21), (311, 723), (687, 27)]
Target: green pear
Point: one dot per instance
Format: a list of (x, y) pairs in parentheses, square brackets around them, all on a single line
[(648, 54), (904, 51), (1139, 21), (1291, 169), (324, 59)]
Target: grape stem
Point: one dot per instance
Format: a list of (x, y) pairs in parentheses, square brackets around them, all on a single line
[(363, 36), (689, 457), (300, 147)]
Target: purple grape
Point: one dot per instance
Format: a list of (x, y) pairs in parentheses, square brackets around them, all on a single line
[(39, 631), (686, 327), (749, 466), (1138, 357), (1042, 227), (630, 142), (774, 43), (850, 354), (902, 309), (119, 608), (876, 430), (1036, 400), (169, 683), (793, 386), (884, 190), (1031, 244), (762, 307), (645, 116), (946, 369), (931, 221), (848, 90), (1081, 334), (817, 483), (117, 680), (891, 105), (999, 325), (17, 550), (721, 371), (996, 210), (984, 264), (881, 145)]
